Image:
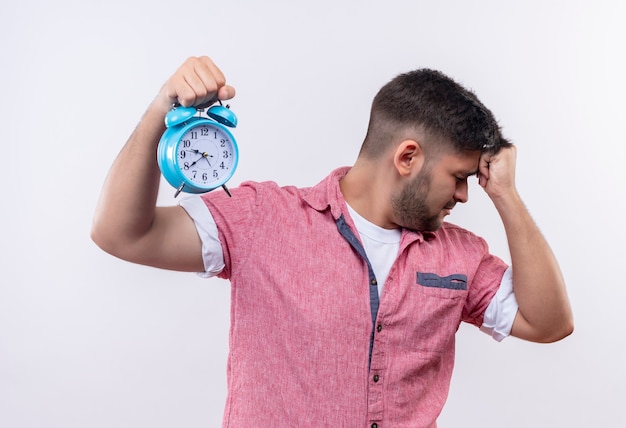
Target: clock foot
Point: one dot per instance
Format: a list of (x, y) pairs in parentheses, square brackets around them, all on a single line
[(226, 190), (180, 189)]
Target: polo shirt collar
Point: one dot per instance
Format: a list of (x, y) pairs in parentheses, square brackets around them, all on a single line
[(327, 194)]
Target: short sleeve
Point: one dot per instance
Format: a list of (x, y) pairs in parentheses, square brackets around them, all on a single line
[(212, 254), (500, 314)]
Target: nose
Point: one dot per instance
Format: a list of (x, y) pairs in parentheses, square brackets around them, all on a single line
[(461, 192)]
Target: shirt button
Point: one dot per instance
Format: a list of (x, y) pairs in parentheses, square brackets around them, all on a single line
[(376, 378), (379, 327), (374, 425), (374, 282)]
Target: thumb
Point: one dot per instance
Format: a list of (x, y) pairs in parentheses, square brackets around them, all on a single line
[(226, 92)]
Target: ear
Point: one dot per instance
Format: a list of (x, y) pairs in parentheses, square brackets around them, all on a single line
[(408, 158)]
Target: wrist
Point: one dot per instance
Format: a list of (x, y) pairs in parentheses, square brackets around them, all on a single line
[(507, 202), (161, 104)]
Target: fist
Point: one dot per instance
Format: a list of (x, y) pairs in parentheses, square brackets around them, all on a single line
[(198, 83), (496, 172)]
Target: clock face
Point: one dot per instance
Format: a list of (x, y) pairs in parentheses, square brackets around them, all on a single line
[(206, 155)]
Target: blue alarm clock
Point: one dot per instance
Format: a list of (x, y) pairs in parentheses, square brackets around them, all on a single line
[(197, 153)]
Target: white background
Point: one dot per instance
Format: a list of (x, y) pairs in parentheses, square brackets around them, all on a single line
[(87, 340)]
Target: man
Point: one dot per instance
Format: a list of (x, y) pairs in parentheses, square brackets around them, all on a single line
[(346, 296)]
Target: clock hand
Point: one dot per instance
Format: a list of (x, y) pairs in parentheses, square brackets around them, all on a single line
[(207, 156), (197, 152), (196, 161)]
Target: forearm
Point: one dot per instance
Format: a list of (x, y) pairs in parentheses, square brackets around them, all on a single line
[(537, 280), (127, 203)]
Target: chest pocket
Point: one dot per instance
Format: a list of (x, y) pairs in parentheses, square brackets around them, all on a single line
[(439, 302)]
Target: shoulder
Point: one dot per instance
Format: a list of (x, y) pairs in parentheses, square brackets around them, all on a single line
[(450, 234), (453, 229), (269, 192), (251, 196)]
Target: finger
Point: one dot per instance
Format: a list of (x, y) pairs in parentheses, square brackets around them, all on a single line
[(197, 81), (193, 92), (212, 71), (194, 83), (211, 79), (483, 165), (482, 180), (226, 92), (207, 70), (483, 169)]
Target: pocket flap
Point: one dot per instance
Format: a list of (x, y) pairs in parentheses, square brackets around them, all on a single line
[(452, 282)]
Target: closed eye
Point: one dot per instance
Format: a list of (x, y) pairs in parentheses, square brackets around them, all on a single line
[(464, 177)]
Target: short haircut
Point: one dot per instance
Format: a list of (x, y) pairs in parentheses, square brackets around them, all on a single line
[(429, 101)]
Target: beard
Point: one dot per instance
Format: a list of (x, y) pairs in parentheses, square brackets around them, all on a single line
[(410, 207)]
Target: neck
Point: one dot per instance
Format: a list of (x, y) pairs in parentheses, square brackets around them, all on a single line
[(367, 189)]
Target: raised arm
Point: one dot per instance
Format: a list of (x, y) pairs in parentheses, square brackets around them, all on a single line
[(544, 313), (127, 223)]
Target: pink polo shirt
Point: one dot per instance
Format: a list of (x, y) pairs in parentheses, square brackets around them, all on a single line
[(311, 343)]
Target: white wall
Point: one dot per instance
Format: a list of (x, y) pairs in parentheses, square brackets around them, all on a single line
[(87, 340)]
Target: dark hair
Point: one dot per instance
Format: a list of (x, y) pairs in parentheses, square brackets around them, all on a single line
[(431, 101)]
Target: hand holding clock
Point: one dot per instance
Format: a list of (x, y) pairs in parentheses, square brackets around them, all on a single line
[(198, 82)]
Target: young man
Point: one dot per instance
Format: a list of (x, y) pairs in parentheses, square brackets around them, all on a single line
[(346, 296)]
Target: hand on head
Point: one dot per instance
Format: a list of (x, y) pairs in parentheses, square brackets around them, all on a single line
[(496, 172)]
